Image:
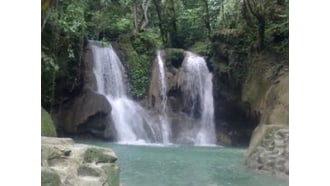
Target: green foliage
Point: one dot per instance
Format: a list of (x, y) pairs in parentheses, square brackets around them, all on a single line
[(230, 14), (47, 126), (139, 74), (139, 49), (190, 27), (174, 56), (73, 19), (277, 32), (48, 73), (182, 24), (138, 64), (146, 42), (202, 48)]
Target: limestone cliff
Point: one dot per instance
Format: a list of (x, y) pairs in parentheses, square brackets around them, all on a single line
[(251, 96), (266, 91)]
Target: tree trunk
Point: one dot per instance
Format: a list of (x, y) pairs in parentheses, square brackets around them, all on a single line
[(161, 23), (144, 19), (207, 19), (173, 33), (135, 14)]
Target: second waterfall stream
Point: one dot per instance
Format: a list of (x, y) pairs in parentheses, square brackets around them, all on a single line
[(134, 124)]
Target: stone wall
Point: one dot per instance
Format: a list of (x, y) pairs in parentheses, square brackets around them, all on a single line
[(65, 163)]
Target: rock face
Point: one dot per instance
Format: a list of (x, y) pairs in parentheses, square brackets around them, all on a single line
[(269, 149), (266, 90), (250, 87), (88, 113), (64, 163), (175, 98), (173, 59), (233, 119)]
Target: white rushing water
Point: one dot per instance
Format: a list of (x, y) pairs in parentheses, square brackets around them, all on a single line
[(197, 83), (130, 120), (166, 131)]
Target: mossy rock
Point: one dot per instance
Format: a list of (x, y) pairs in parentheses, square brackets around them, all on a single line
[(113, 174), (85, 170), (98, 155), (201, 48), (174, 56), (49, 178), (47, 125)]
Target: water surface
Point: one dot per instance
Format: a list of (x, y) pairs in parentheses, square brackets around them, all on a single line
[(160, 165)]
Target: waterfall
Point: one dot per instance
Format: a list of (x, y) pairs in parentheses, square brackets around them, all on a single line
[(131, 121), (134, 124), (197, 86), (166, 132)]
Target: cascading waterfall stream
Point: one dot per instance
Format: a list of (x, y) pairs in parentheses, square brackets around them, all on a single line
[(133, 124), (197, 84), (166, 132), (131, 121)]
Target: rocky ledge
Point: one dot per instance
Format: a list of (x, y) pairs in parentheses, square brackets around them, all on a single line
[(65, 163), (269, 150)]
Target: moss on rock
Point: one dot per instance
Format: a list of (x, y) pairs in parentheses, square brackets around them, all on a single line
[(98, 156), (113, 172), (47, 125), (201, 48), (174, 56), (49, 178), (137, 65)]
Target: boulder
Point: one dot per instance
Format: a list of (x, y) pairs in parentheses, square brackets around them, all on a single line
[(269, 149), (88, 113), (65, 163)]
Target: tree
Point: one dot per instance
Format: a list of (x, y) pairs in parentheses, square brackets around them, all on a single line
[(207, 18), (140, 13), (161, 25), (263, 14)]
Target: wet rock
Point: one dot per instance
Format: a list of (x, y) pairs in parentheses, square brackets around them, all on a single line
[(49, 177), (271, 151), (65, 163), (88, 113)]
